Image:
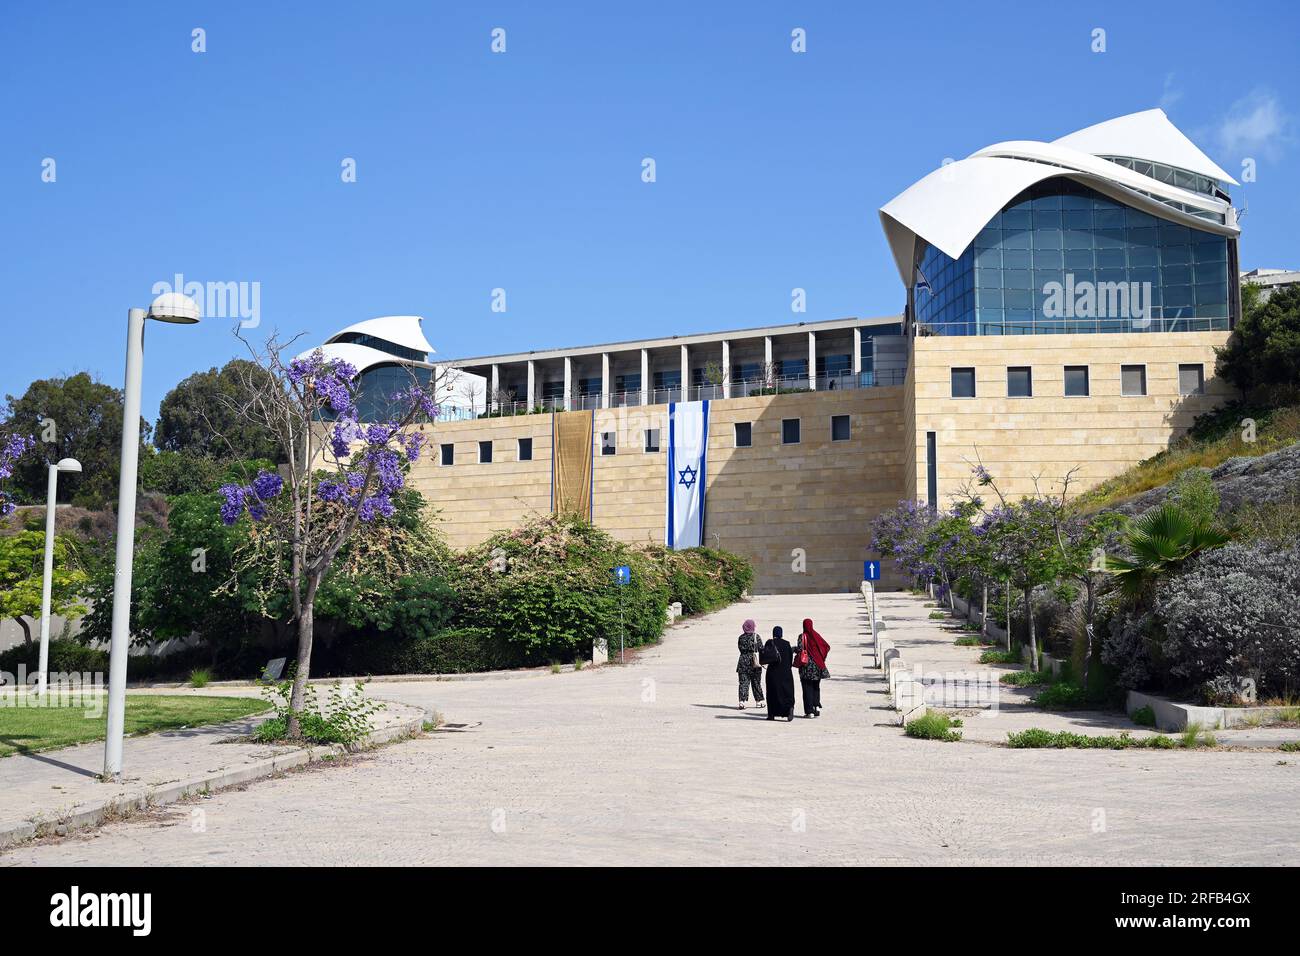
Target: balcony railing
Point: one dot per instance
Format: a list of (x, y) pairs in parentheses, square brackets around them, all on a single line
[(781, 385)]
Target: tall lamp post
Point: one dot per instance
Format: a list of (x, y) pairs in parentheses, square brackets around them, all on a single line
[(67, 464), (177, 309)]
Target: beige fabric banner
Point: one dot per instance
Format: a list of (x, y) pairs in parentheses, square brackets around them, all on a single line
[(571, 463)]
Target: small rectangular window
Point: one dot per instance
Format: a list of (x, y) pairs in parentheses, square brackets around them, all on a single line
[(744, 434), (963, 383), (608, 445), (1020, 382), (485, 452), (839, 428), (448, 454), (1191, 379), (1076, 380), (789, 431), (651, 439), (1133, 379), (525, 449)]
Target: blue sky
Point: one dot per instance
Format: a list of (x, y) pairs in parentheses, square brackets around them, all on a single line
[(522, 170)]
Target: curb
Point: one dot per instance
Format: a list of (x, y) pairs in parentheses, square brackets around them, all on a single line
[(519, 674), (93, 814)]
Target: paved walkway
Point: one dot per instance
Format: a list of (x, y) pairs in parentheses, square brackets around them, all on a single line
[(55, 785), (651, 763)]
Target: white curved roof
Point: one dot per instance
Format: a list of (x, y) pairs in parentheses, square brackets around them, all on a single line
[(361, 356), (1147, 135), (403, 330), (951, 205)]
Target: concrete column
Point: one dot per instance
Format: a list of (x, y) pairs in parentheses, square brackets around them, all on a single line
[(726, 368), (857, 356), (496, 385), (532, 384), (604, 380), (568, 383), (812, 360), (645, 376), (767, 358), (686, 373)]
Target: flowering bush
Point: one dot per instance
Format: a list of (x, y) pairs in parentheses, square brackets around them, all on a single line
[(1233, 615)]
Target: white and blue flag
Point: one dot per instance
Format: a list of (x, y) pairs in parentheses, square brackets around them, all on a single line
[(688, 446)]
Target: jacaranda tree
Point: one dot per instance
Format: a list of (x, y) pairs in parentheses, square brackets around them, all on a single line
[(12, 447), (340, 474)]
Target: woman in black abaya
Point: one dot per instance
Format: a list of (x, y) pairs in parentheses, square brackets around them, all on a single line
[(778, 655)]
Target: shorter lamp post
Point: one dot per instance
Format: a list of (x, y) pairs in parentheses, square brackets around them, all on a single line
[(72, 465)]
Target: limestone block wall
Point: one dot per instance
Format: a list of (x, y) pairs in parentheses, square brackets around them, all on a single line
[(475, 500), (764, 501), (818, 496), (1048, 434)]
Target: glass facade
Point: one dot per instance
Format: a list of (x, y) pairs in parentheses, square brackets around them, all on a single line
[(1062, 258), (383, 345), (377, 386)]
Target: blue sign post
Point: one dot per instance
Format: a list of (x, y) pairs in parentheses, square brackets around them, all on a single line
[(622, 575), (871, 573)]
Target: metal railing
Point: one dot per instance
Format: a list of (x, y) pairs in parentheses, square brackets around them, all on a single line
[(781, 385)]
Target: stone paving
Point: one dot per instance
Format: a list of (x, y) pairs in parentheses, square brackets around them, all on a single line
[(651, 763)]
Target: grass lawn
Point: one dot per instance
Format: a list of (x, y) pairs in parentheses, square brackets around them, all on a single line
[(29, 729)]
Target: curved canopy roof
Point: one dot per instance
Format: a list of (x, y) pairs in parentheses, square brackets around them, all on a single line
[(951, 205), (403, 330)]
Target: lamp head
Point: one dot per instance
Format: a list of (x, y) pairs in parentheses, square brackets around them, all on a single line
[(69, 464), (175, 308)]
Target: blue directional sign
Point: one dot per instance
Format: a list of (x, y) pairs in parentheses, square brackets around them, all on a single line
[(622, 574), (871, 570)]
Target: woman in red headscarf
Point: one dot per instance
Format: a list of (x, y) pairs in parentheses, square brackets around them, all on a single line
[(810, 657)]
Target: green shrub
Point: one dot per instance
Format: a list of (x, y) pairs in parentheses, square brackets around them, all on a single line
[(968, 642), (932, 726), (1025, 678), (64, 655), (452, 651), (200, 676), (1037, 737), (346, 717), (1291, 746), (999, 657), (547, 587), (1144, 717), (1062, 695)]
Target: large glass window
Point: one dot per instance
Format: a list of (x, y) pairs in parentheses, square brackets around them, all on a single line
[(1061, 257), (378, 386)]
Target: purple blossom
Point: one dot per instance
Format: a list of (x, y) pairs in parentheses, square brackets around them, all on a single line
[(267, 484), (233, 506)]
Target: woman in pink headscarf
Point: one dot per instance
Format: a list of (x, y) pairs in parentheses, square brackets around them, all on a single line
[(810, 658), (748, 670)]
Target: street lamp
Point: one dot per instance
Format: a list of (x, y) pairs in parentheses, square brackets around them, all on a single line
[(42, 673), (177, 309)]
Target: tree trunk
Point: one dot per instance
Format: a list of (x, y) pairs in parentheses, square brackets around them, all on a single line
[(1006, 587), (303, 667), (984, 612), (1033, 636), (27, 628)]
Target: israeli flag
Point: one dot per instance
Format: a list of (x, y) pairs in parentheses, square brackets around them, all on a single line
[(688, 446)]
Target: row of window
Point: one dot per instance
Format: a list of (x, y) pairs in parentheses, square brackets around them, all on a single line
[(1133, 381), (742, 433)]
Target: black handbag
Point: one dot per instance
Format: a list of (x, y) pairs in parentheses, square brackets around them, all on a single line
[(769, 654)]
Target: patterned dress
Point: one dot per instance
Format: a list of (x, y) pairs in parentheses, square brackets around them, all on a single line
[(747, 674)]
